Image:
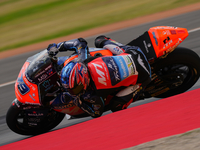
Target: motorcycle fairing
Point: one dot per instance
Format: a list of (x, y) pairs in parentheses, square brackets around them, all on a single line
[(22, 84), (166, 38), (36, 79), (159, 41)]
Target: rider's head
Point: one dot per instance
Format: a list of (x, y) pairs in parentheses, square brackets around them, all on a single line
[(75, 77)]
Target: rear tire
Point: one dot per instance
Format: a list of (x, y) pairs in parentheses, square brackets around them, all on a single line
[(182, 61)]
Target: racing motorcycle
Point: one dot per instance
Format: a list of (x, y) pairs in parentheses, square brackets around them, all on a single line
[(174, 71)]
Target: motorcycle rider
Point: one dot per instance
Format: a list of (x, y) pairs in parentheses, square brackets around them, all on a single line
[(88, 80)]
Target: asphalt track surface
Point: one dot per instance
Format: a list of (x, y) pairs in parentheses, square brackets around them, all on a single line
[(10, 67)]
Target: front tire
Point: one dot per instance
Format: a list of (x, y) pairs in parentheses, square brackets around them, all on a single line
[(18, 121)]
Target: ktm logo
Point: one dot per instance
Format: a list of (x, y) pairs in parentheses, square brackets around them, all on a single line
[(102, 78)]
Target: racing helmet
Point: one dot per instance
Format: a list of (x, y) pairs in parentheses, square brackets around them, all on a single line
[(75, 77)]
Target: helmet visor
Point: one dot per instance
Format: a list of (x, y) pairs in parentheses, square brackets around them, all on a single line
[(76, 90)]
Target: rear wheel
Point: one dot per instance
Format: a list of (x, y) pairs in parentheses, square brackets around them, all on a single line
[(32, 121), (177, 73)]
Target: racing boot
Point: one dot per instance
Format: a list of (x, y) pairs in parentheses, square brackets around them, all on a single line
[(107, 43), (123, 98), (93, 105), (97, 106)]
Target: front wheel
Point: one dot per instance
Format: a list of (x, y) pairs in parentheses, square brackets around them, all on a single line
[(176, 73), (32, 121)]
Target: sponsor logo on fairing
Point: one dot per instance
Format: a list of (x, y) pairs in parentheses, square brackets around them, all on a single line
[(166, 32), (44, 76), (173, 47), (180, 31), (46, 84), (32, 96), (147, 46), (173, 31), (50, 71), (166, 40), (22, 87), (167, 44), (99, 71), (154, 36)]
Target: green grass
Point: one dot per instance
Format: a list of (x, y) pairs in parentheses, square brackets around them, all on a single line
[(24, 22)]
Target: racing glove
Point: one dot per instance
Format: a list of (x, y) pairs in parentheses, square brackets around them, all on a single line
[(53, 48), (78, 45)]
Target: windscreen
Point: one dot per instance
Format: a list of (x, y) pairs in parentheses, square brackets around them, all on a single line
[(41, 72), (40, 68)]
